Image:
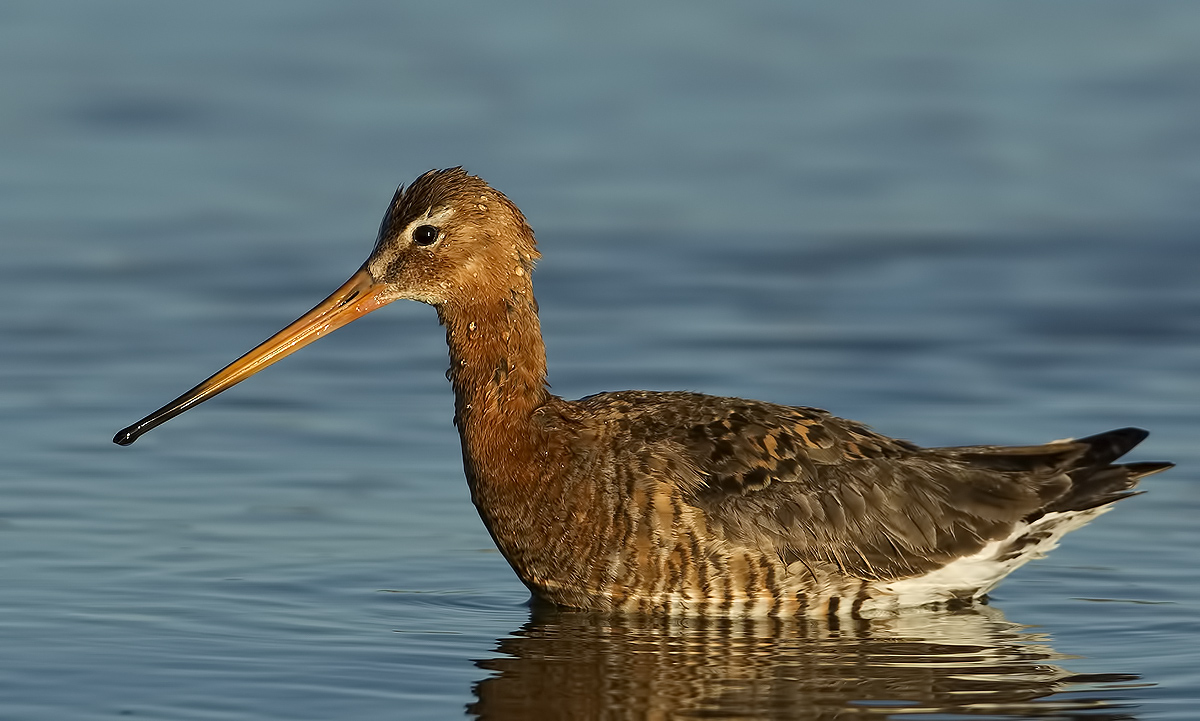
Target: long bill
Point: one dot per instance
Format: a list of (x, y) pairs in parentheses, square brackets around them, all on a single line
[(357, 297)]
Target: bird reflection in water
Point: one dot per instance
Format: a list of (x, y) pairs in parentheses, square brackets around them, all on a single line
[(588, 665)]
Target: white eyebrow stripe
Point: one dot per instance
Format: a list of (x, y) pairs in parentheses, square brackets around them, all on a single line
[(389, 250)]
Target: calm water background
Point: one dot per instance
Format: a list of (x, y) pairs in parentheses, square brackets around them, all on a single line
[(960, 223)]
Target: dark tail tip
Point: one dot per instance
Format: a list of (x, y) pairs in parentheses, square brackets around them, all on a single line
[(1104, 448)]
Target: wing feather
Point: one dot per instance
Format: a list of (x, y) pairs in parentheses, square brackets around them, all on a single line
[(823, 491)]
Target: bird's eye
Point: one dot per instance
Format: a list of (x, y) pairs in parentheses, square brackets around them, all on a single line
[(425, 235)]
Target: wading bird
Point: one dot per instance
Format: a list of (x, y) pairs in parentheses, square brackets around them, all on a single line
[(682, 502)]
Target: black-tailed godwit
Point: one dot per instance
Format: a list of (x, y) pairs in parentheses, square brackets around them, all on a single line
[(681, 502)]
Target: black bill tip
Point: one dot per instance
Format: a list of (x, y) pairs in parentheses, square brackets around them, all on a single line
[(126, 436)]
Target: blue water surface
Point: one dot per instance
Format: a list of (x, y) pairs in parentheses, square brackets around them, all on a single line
[(960, 223)]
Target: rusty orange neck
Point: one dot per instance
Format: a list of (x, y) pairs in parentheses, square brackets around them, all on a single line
[(498, 370)]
